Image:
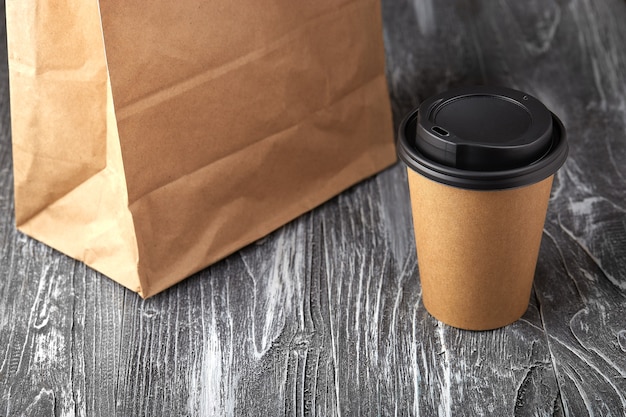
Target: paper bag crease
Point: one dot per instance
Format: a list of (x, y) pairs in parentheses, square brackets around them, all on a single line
[(86, 213)]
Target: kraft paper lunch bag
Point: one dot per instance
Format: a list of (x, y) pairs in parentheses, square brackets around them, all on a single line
[(151, 139)]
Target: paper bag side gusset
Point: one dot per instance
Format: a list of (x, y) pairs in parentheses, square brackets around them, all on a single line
[(57, 87), (69, 180), (477, 245)]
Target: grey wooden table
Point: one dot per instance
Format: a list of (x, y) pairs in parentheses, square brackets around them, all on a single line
[(324, 316)]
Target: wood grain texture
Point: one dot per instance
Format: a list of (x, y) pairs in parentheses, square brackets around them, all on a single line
[(324, 316)]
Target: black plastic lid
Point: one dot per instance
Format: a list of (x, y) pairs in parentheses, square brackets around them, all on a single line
[(483, 138)]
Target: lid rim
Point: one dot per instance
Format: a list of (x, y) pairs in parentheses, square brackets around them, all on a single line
[(537, 171)]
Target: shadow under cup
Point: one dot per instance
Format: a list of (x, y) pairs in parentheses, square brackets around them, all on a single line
[(480, 163)]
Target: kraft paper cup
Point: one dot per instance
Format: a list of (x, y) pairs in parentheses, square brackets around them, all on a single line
[(480, 165)]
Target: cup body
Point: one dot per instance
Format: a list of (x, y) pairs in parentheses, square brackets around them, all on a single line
[(477, 250)]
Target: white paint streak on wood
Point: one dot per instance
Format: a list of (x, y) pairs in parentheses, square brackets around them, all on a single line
[(357, 314), (214, 396), (445, 408), (584, 207), (417, 377), (277, 298), (334, 328), (425, 14)]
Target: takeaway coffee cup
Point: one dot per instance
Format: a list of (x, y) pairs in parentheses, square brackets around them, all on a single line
[(480, 166)]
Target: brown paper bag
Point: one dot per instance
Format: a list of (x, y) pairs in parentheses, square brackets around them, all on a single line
[(151, 139)]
